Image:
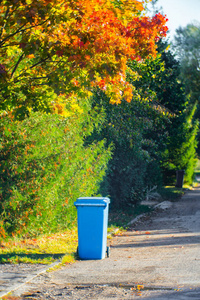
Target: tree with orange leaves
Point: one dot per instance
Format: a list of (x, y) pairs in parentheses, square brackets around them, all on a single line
[(53, 47)]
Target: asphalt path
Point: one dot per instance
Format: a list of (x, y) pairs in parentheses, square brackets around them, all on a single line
[(157, 258)]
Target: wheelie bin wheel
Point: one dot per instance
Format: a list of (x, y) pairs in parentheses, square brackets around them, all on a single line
[(108, 251)]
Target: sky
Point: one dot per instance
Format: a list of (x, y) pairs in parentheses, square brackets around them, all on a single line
[(180, 13)]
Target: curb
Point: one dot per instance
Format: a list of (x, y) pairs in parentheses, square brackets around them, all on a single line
[(162, 205), (136, 219), (28, 278)]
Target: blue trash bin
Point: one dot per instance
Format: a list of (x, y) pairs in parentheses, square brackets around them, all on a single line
[(92, 227)]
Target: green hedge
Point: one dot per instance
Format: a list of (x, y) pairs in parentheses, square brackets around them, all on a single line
[(44, 167)]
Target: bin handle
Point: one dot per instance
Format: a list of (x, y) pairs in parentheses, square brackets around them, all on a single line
[(90, 204)]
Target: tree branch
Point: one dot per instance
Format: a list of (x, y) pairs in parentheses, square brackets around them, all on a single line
[(20, 75), (37, 78), (21, 30), (9, 36), (39, 62), (17, 64)]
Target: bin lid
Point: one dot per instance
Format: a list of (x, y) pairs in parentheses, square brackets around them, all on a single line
[(92, 201)]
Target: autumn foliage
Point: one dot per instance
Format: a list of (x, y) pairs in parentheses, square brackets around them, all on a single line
[(70, 47)]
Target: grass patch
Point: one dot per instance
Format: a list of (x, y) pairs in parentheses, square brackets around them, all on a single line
[(43, 250), (197, 173), (169, 193), (196, 178), (60, 246), (119, 218)]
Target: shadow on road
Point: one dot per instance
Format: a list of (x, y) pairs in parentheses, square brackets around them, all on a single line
[(163, 241), (193, 293)]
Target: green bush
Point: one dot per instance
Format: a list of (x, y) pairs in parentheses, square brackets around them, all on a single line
[(126, 176), (44, 167), (134, 167), (181, 148)]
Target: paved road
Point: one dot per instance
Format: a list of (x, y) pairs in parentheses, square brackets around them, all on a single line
[(158, 258)]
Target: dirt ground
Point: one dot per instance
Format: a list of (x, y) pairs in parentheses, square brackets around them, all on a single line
[(157, 258)]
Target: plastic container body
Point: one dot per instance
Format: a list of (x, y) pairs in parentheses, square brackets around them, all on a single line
[(92, 227), (179, 178)]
